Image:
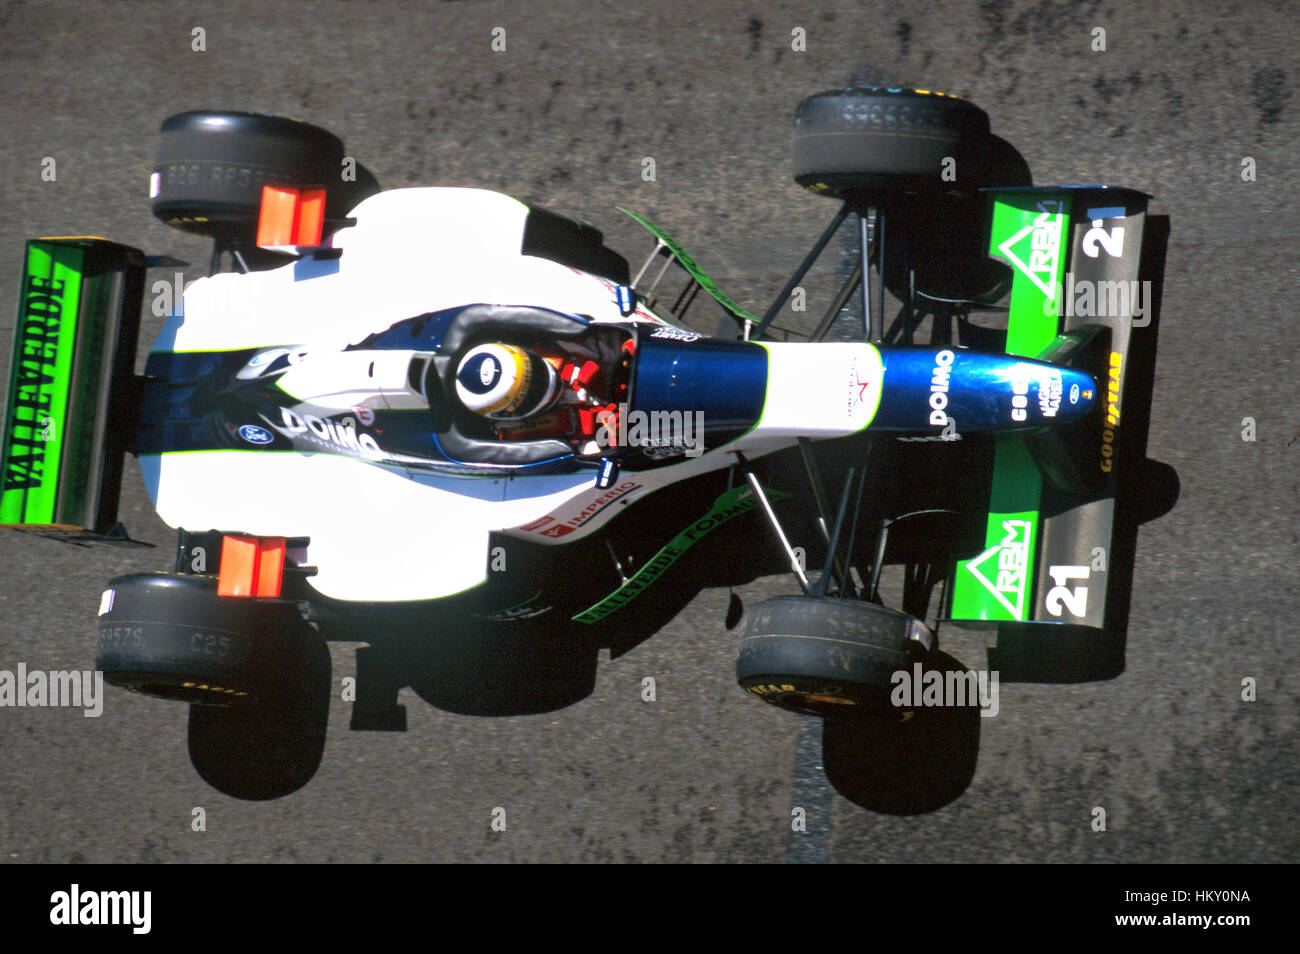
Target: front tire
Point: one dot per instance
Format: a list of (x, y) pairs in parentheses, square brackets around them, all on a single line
[(870, 141), (826, 657)]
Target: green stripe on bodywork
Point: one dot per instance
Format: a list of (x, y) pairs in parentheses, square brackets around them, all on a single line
[(1029, 233), (693, 269), (998, 584), (44, 339), (731, 503)]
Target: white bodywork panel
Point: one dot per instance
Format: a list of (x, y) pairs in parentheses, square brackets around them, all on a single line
[(820, 390), (378, 533), (375, 534), (381, 532), (412, 251)]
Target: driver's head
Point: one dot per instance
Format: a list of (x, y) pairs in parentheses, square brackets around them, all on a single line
[(505, 382)]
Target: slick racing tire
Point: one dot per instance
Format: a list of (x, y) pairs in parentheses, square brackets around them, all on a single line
[(824, 656), (865, 141), (211, 167), (169, 635)]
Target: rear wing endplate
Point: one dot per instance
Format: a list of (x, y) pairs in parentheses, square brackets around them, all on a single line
[(70, 396)]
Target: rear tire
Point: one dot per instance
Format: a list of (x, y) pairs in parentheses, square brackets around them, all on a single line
[(824, 656), (169, 635), (212, 164)]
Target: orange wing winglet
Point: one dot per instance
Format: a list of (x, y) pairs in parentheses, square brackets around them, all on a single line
[(290, 217), (251, 566)]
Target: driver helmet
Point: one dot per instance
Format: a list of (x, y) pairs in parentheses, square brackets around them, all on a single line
[(505, 382)]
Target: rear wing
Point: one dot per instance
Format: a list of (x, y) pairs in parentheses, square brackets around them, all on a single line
[(70, 396), (1082, 293)]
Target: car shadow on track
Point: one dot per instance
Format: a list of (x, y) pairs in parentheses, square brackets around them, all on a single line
[(475, 666), (271, 749), (909, 765)]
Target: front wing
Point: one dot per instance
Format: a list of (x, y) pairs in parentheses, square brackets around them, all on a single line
[(1086, 264)]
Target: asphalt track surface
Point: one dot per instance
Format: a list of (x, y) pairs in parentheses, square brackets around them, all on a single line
[(1185, 770)]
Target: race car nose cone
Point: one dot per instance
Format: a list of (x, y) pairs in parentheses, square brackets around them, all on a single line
[(965, 390)]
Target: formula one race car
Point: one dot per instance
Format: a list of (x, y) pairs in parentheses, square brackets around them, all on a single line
[(456, 428)]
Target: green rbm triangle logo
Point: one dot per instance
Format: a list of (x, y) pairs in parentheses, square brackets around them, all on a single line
[(1035, 249), (1028, 233), (1003, 568)]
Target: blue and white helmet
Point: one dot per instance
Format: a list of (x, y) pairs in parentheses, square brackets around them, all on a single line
[(504, 382)]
